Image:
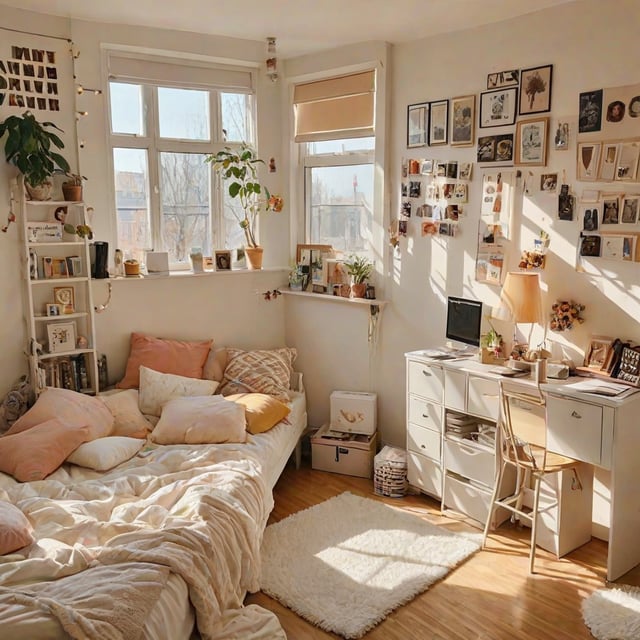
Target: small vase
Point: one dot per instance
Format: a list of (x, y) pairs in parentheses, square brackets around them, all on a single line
[(358, 290), (254, 257)]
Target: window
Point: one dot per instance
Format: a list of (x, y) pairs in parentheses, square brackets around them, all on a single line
[(162, 129), (334, 121)]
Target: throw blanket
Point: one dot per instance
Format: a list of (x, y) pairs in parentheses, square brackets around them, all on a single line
[(106, 543)]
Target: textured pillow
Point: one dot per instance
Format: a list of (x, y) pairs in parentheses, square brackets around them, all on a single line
[(73, 408), (200, 420), (259, 372), (262, 412), (35, 453), (156, 389), (215, 365), (167, 356), (129, 421), (105, 453), (15, 530)]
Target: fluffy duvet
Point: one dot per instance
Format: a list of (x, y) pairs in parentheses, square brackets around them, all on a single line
[(106, 543)]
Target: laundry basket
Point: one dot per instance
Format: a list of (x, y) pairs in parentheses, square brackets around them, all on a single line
[(390, 472)]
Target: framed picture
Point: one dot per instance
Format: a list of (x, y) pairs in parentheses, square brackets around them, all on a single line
[(630, 207), (52, 309), (608, 161), (223, 260), (463, 115), (598, 352), (438, 122), (64, 296), (590, 215), (627, 163), (535, 90), (588, 160), (495, 148), (561, 139), (417, 122), (590, 111), (62, 336), (59, 268), (509, 78), (590, 246), (498, 108), (531, 142), (610, 210)]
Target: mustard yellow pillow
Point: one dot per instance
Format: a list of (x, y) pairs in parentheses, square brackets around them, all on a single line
[(262, 411)]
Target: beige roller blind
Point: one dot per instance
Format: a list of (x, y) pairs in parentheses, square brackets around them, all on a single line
[(342, 107), (171, 72)]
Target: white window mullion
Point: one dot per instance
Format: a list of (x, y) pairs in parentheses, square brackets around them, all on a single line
[(151, 122)]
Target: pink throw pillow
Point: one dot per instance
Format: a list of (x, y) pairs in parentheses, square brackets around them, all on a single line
[(15, 530), (73, 408), (37, 452), (182, 358)]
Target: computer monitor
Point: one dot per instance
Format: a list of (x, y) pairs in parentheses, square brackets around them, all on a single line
[(464, 317)]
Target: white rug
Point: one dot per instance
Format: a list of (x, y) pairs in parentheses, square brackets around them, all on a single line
[(346, 563), (613, 614)]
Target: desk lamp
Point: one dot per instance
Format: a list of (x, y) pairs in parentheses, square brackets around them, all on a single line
[(521, 300)]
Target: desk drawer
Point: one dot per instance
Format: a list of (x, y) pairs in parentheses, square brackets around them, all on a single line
[(424, 441), (425, 474), (426, 381), (483, 398), (424, 413), (574, 429), (470, 460), (466, 498)]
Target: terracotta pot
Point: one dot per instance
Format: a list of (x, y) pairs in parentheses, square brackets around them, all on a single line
[(358, 290), (254, 257), (72, 192), (39, 192), (345, 290), (131, 268)]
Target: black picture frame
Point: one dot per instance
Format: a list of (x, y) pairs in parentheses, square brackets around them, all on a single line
[(535, 90), (590, 111), (438, 122), (498, 108), (417, 124)]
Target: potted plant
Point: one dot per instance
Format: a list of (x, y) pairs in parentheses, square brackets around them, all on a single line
[(360, 269), (72, 188), (29, 146), (296, 278), (240, 169)]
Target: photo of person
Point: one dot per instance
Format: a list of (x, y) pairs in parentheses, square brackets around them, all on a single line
[(610, 212), (589, 218), (630, 210), (223, 260), (590, 114), (615, 111)]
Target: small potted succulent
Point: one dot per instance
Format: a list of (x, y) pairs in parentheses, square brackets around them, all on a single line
[(360, 269), (72, 187)]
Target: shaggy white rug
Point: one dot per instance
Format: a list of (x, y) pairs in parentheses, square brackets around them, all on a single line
[(346, 563), (613, 614)]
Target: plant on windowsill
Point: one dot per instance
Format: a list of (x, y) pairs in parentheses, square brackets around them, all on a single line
[(239, 168), (72, 188), (29, 146), (360, 270)]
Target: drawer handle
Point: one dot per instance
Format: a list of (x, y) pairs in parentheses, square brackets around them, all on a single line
[(422, 446), (427, 373), (424, 415), (575, 414), (490, 395)]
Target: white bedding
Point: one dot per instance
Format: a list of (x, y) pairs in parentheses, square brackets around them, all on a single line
[(114, 550)]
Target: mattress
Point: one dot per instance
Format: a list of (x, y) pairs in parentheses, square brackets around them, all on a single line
[(243, 486)]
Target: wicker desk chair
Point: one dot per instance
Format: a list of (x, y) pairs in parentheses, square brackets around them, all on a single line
[(522, 433)]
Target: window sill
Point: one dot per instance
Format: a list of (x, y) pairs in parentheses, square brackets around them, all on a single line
[(331, 298), (205, 274)]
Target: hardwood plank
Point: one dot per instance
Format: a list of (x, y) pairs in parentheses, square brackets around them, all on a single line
[(491, 596)]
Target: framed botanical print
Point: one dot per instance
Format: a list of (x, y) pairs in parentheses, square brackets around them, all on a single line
[(417, 122), (498, 108), (535, 90), (438, 122), (463, 115), (588, 160), (531, 142)]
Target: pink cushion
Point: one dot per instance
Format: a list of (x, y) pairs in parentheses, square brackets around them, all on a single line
[(15, 530), (179, 357), (35, 453), (73, 408)]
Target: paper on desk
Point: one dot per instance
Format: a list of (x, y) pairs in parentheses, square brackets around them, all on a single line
[(601, 387)]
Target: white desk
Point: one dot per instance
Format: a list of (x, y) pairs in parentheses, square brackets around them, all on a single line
[(599, 430)]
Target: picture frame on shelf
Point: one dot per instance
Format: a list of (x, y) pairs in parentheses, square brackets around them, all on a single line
[(499, 79), (417, 123), (61, 336), (535, 90), (52, 310), (531, 142), (223, 260), (463, 116), (608, 161), (313, 247), (498, 108), (65, 297), (627, 162), (59, 268), (598, 352), (588, 160), (438, 122)]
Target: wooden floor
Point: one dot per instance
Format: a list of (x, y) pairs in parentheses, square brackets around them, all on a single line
[(491, 596)]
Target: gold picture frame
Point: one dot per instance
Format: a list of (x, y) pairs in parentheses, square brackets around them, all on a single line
[(65, 297), (531, 142)]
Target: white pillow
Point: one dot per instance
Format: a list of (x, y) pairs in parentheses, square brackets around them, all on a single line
[(156, 389), (105, 453), (129, 420), (200, 420)]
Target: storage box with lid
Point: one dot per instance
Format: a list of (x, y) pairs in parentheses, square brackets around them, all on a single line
[(351, 454), (353, 411)]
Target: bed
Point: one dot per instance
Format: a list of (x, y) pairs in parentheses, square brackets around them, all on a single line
[(163, 546)]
